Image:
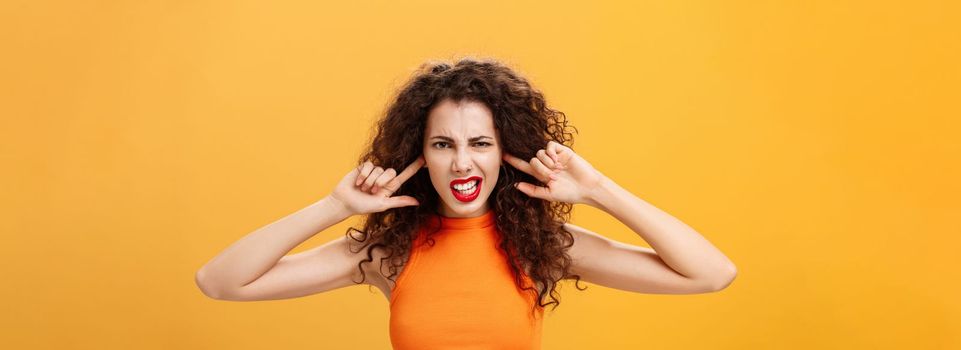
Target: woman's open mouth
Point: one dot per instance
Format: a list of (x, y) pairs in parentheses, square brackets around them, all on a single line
[(466, 190)]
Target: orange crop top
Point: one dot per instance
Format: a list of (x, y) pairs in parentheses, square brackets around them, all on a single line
[(460, 292)]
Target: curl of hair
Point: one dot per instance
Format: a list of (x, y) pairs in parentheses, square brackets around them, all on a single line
[(534, 238)]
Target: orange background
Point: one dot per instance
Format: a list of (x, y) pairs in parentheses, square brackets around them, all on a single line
[(815, 143)]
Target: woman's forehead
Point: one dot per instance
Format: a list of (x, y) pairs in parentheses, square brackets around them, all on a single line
[(463, 120)]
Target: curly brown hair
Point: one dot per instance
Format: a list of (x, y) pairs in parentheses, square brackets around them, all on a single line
[(533, 232)]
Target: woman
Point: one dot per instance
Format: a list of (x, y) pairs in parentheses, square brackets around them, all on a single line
[(467, 188)]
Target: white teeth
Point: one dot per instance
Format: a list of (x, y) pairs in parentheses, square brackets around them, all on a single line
[(466, 186)]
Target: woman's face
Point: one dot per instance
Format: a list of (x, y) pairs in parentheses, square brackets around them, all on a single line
[(460, 144)]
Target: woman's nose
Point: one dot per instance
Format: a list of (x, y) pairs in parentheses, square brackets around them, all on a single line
[(462, 164)]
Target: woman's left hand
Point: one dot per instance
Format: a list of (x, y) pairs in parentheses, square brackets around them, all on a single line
[(569, 177)]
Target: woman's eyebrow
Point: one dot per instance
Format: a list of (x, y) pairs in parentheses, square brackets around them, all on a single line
[(472, 139)]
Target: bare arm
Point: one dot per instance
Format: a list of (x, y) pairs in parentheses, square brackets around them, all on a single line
[(256, 268), (677, 244), (252, 256), (681, 261)]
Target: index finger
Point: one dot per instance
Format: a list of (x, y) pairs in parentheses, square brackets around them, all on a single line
[(409, 171), (520, 164)]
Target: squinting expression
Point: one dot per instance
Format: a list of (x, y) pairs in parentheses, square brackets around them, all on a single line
[(460, 143)]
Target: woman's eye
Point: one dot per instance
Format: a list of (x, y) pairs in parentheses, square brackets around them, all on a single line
[(441, 144)]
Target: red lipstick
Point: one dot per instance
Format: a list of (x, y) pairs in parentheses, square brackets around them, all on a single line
[(466, 197)]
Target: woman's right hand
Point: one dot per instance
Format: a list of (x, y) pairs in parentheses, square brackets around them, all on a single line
[(368, 188)]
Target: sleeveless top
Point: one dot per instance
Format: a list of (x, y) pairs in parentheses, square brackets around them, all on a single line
[(460, 292)]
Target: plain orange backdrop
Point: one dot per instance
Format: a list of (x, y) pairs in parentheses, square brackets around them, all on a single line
[(814, 142)]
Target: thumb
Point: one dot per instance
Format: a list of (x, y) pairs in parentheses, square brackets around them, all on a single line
[(401, 201), (531, 190)]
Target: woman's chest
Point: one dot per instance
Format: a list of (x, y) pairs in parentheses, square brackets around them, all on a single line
[(442, 272)]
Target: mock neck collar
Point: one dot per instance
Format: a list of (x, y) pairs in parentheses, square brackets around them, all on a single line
[(449, 223)]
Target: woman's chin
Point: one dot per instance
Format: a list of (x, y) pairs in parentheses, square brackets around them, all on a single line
[(456, 208)]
